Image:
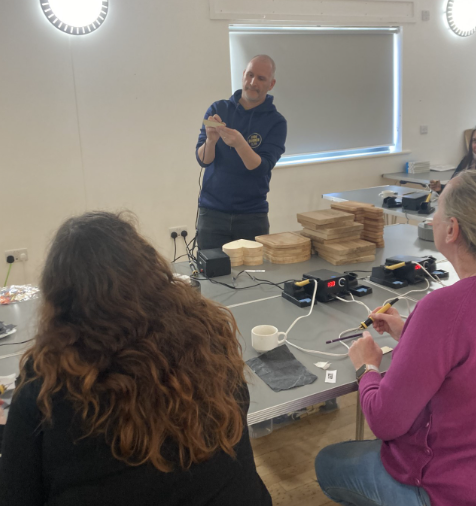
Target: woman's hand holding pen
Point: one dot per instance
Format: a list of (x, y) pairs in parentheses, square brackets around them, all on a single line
[(390, 322), (435, 185)]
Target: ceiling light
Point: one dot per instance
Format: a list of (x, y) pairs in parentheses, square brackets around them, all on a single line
[(461, 16), (75, 17)]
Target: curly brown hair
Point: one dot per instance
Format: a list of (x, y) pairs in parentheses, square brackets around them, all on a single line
[(141, 355)]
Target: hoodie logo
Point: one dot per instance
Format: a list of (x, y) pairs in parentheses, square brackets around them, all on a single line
[(254, 140)]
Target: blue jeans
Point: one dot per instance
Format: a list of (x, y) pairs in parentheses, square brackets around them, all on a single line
[(352, 473), (215, 228)]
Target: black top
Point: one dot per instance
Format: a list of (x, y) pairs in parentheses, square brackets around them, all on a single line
[(461, 167), (50, 465)]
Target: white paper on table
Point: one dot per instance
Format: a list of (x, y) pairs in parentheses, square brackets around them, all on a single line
[(441, 168), (331, 376), (323, 365)]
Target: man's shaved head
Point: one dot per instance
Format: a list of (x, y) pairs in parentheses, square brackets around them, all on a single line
[(267, 59)]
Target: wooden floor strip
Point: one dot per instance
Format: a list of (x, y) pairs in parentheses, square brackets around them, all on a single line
[(285, 458)]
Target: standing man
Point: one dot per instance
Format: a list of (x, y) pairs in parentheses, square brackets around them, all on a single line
[(238, 158)]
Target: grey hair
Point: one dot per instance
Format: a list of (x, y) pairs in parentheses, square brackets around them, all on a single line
[(460, 203), (268, 59)]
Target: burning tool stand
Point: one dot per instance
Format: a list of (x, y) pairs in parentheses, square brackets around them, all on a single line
[(329, 286)]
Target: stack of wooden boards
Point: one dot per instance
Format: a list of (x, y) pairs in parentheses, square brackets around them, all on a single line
[(336, 236), (285, 248), (244, 252), (371, 217)]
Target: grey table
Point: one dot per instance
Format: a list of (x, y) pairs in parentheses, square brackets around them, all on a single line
[(423, 178), (371, 196), (264, 305)]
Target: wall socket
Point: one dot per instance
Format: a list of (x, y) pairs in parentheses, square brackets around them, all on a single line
[(178, 230), (20, 255)]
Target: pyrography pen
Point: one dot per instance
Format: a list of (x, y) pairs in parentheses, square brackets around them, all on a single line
[(369, 321)]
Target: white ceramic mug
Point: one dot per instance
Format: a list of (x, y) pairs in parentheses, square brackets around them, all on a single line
[(266, 338)]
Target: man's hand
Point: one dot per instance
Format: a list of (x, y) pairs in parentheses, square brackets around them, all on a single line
[(390, 322), (3, 418), (212, 132), (435, 185), (365, 351), (231, 137)]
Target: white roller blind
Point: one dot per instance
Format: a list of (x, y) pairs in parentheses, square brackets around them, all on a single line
[(335, 87)]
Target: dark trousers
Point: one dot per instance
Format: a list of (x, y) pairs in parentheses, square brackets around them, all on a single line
[(216, 228)]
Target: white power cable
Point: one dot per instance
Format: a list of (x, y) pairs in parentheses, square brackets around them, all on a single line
[(411, 291), (314, 352), (357, 302), (389, 290)]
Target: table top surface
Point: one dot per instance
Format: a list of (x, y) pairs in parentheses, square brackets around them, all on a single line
[(264, 305), (422, 177), (371, 196)]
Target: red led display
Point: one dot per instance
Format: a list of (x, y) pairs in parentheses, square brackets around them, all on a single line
[(331, 284)]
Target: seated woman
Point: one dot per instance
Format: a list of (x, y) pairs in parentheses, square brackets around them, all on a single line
[(424, 409), (133, 391), (467, 163)]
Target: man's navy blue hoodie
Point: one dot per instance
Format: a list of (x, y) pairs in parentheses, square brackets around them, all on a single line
[(228, 186)]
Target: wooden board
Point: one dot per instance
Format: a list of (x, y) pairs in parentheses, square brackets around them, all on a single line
[(313, 226), (252, 258), (283, 240), (355, 260), (372, 235), (373, 211), (325, 216), (334, 233), (350, 205), (348, 248), (251, 261), (317, 242), (289, 260), (241, 246)]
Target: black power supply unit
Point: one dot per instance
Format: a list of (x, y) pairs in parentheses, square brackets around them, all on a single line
[(429, 263), (213, 263), (407, 273), (413, 201), (329, 286)]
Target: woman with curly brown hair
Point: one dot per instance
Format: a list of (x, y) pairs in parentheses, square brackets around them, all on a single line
[(133, 391)]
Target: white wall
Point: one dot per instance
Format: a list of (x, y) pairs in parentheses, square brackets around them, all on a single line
[(110, 120)]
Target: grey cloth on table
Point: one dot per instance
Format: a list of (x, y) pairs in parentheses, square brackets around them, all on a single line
[(280, 370)]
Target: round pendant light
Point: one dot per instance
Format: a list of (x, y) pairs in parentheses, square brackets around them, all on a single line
[(75, 17), (461, 16)]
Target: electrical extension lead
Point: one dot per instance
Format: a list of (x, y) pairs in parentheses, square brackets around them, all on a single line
[(313, 352)]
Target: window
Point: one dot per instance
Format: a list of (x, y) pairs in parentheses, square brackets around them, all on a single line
[(338, 88)]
